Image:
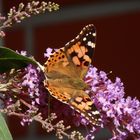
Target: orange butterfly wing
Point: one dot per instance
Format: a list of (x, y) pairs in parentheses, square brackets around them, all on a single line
[(65, 70)]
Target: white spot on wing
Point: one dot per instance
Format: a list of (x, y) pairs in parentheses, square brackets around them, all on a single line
[(95, 112), (77, 37), (99, 119), (67, 43), (84, 39), (94, 34), (91, 44), (82, 114), (89, 114), (72, 40), (87, 118)]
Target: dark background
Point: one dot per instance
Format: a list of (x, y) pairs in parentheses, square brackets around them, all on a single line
[(117, 47)]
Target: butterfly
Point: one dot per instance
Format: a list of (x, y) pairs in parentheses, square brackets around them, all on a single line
[(65, 70)]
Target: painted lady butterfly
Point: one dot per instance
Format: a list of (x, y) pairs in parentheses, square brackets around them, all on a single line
[(65, 70)]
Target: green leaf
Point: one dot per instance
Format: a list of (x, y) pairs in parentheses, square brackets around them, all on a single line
[(10, 59), (4, 131)]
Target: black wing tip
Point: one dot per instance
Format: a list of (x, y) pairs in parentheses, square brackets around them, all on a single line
[(89, 27)]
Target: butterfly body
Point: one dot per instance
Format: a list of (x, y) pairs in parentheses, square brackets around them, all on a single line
[(64, 76), (67, 82), (65, 70)]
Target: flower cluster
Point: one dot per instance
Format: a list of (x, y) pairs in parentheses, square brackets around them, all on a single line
[(22, 12), (119, 113), (24, 95)]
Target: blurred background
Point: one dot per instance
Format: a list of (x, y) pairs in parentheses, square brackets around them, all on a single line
[(117, 47)]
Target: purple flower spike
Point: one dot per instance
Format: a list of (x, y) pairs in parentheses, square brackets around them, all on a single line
[(24, 53), (31, 80), (120, 113), (48, 52)]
